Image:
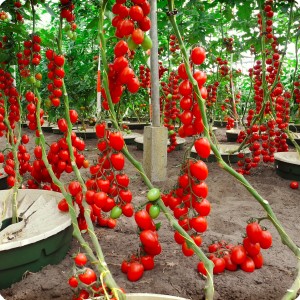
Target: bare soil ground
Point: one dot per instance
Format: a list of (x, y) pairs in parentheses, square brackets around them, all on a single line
[(174, 274)]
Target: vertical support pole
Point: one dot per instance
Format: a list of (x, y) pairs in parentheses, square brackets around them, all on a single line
[(155, 136), (98, 111), (154, 66)]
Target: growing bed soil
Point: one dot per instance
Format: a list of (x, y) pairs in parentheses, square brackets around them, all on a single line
[(174, 274)]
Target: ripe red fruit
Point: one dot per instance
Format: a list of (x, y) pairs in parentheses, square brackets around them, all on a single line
[(63, 205), (74, 188), (199, 224), (50, 54), (201, 268), (62, 125), (73, 115), (100, 130), (136, 13), (88, 277), (135, 271), (80, 259), (149, 238), (116, 141), (252, 249), (294, 185), (186, 250), (202, 147), (198, 55), (238, 255), (143, 220), (148, 262), (59, 60), (126, 27), (265, 239), (199, 170), (219, 265), (137, 36), (121, 48), (253, 231), (248, 265), (73, 282), (229, 265)]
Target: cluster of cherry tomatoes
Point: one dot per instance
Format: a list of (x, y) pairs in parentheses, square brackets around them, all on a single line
[(228, 42), (267, 137), (30, 56), (191, 116), (132, 22), (247, 255), (108, 190), (19, 16), (269, 13), (230, 123), (31, 108), (212, 91), (144, 77), (3, 16), (67, 12), (8, 91), (59, 157), (188, 201), (67, 8), (223, 66), (85, 280), (120, 74), (56, 74), (169, 98), (135, 266), (173, 44)]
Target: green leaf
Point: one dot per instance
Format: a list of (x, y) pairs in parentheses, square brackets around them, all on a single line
[(157, 226), (93, 23), (50, 10)]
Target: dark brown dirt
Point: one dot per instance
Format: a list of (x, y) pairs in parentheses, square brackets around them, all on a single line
[(174, 274)]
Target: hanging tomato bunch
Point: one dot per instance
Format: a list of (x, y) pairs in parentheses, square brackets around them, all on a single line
[(247, 255), (85, 281), (150, 247), (30, 56), (170, 98), (108, 190), (191, 117), (188, 200), (56, 74), (266, 136)]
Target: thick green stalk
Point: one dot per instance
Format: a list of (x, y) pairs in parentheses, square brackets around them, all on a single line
[(264, 203)]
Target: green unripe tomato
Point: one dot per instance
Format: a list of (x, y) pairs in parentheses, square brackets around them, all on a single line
[(70, 34), (171, 132), (154, 211), (37, 141), (74, 37), (31, 80), (38, 84), (131, 44), (147, 43), (169, 96), (116, 212), (153, 194), (67, 27)]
